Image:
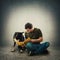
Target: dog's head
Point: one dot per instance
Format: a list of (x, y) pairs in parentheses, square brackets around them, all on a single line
[(19, 35)]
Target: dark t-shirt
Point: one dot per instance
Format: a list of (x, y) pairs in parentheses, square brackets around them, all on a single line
[(35, 34)]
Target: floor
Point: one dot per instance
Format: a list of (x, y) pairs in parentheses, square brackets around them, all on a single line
[(6, 54)]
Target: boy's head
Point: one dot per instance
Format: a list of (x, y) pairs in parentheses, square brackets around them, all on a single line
[(28, 27)]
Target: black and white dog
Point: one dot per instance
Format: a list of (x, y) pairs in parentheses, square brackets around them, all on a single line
[(19, 36)]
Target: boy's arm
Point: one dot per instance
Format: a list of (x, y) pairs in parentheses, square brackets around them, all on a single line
[(40, 39)]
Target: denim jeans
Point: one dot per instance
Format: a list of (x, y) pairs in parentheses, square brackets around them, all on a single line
[(37, 48)]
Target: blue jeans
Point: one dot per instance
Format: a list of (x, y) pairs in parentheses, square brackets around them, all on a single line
[(37, 48)]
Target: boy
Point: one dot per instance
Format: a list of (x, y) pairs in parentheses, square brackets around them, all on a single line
[(34, 46)]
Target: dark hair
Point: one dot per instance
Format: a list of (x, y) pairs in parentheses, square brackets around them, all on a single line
[(28, 25)]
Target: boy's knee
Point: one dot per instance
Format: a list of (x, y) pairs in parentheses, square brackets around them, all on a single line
[(28, 45), (47, 44)]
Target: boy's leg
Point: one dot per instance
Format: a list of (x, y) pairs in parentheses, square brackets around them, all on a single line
[(42, 47), (37, 48), (31, 48)]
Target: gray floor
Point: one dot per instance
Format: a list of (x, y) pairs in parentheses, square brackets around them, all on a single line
[(5, 54)]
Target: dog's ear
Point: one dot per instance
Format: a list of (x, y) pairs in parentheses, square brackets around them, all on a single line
[(19, 32)]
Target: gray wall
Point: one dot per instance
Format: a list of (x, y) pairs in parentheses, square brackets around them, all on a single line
[(53, 5)]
